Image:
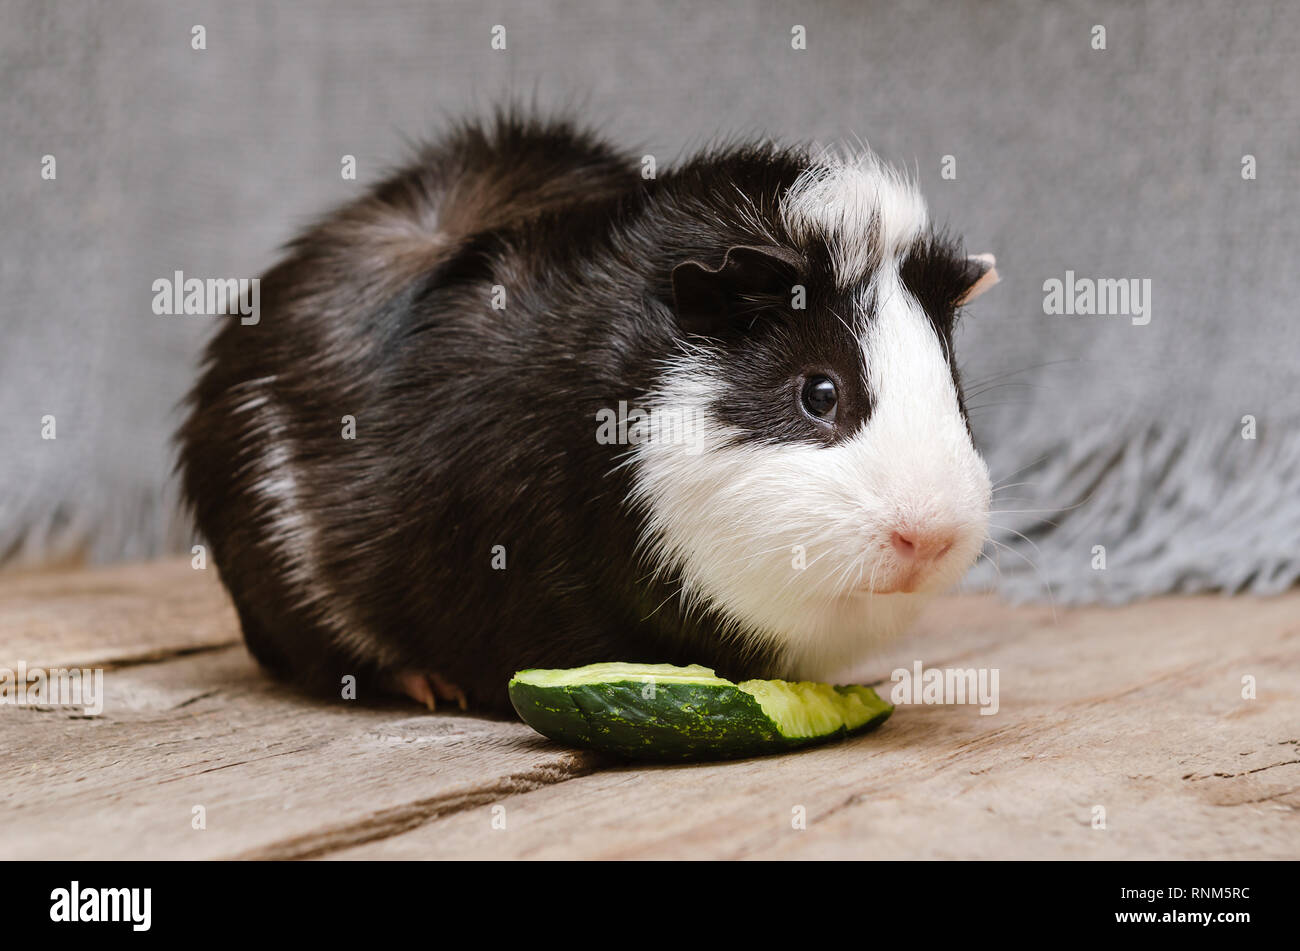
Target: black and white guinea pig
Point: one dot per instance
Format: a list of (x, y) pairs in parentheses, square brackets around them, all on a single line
[(707, 417)]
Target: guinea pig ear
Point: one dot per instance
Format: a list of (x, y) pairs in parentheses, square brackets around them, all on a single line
[(711, 301), (982, 273)]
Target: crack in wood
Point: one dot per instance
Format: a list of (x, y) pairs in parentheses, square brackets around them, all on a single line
[(396, 820), (157, 656), (242, 762), (1259, 769), (196, 698)]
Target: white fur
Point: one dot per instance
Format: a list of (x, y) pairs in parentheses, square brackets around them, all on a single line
[(865, 211), (936, 479), (730, 519), (289, 524)]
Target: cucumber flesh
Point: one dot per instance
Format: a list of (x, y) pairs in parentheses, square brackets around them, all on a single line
[(807, 709)]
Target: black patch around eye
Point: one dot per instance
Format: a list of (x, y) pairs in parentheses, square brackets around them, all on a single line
[(765, 377)]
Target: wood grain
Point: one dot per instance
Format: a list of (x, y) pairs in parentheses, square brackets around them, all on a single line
[(1138, 710), (115, 615)]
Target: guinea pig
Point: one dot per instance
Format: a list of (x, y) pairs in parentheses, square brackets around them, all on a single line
[(520, 405)]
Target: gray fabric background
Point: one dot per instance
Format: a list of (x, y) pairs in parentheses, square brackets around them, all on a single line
[(1117, 163)]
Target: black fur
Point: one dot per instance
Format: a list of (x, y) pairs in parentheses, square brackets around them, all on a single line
[(475, 426)]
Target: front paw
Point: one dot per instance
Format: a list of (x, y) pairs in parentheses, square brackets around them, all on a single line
[(428, 687)]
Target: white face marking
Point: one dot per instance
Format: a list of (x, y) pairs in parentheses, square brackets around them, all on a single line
[(792, 542), (937, 482)]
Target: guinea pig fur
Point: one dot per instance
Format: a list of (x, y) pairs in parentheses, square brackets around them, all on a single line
[(710, 417)]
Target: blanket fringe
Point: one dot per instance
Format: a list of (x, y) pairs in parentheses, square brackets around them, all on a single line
[(1178, 509)]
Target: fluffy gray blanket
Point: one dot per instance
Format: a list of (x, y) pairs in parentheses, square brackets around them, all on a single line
[(1161, 442)]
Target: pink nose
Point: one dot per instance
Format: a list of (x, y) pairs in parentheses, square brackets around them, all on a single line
[(922, 545)]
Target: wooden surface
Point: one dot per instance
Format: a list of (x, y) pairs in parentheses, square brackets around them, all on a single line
[(1138, 710)]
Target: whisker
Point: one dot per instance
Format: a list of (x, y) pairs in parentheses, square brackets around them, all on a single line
[(1003, 488), (1035, 366), (1062, 508), (1023, 468), (871, 583), (971, 409), (1051, 595), (978, 391)]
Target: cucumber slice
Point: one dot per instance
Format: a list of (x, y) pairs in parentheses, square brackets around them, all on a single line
[(658, 711)]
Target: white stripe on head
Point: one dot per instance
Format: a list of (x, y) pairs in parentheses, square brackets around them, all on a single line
[(936, 478), (865, 211)]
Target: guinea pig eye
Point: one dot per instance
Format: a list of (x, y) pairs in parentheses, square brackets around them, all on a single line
[(819, 398)]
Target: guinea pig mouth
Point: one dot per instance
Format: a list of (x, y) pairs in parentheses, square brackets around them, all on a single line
[(906, 573), (910, 583)]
